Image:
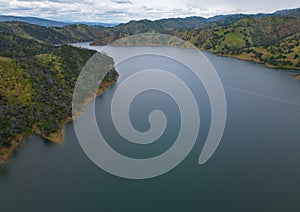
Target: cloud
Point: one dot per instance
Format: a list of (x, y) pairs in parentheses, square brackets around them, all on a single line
[(125, 10)]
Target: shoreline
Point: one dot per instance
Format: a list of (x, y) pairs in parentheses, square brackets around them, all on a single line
[(6, 152), (293, 70), (240, 57)]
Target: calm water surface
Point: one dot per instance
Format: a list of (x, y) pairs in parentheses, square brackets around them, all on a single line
[(255, 168)]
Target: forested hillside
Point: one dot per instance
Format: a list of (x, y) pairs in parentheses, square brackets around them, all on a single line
[(36, 87)]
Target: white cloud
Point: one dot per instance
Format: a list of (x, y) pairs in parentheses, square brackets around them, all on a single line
[(125, 10)]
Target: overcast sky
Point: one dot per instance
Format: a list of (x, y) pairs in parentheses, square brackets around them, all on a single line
[(125, 10)]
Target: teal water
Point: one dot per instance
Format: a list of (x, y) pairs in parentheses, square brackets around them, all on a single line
[(255, 168)]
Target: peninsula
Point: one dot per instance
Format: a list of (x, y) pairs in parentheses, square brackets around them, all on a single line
[(37, 82)]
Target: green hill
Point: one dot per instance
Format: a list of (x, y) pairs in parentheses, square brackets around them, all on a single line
[(36, 88), (33, 20), (50, 23), (273, 41), (53, 35)]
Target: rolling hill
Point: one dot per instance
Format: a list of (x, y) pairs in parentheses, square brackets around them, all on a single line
[(273, 41)]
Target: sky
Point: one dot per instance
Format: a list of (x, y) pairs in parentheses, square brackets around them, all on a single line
[(125, 10)]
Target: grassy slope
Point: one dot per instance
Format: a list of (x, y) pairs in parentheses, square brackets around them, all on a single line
[(273, 41)]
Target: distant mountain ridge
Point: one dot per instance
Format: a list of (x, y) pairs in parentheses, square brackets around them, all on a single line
[(51, 23), (33, 20), (288, 13), (57, 35), (175, 25), (188, 22)]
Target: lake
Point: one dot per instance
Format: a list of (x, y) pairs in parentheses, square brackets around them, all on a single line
[(255, 168)]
